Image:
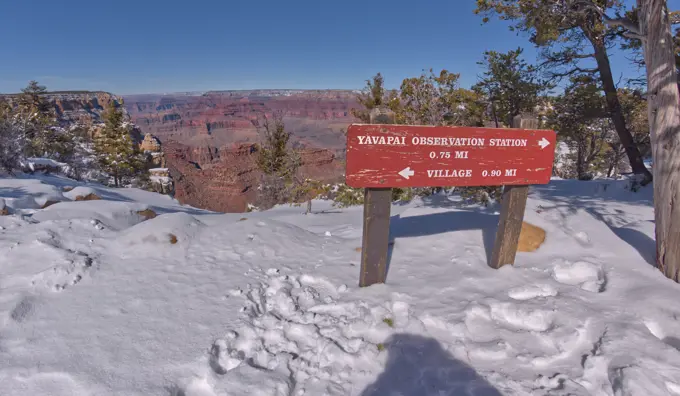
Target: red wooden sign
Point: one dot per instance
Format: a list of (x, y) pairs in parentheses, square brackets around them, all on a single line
[(427, 156)]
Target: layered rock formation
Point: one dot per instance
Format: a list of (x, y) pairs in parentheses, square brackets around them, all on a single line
[(316, 118), (208, 138), (226, 179)]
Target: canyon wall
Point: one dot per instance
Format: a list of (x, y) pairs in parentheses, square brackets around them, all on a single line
[(209, 138), (226, 179)]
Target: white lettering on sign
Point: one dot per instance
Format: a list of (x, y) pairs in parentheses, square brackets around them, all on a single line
[(440, 141), (389, 140), (508, 142), (493, 173), (449, 173), (511, 172), (462, 154)]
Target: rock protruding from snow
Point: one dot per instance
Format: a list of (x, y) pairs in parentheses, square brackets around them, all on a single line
[(179, 227), (82, 194), (113, 214), (4, 211)]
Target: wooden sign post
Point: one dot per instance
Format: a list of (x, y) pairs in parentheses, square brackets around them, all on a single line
[(382, 156), (377, 204)]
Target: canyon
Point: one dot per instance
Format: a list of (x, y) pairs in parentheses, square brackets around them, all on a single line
[(206, 142), (209, 140)]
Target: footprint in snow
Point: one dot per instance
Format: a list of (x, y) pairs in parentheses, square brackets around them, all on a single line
[(661, 332), (530, 292), (24, 309)]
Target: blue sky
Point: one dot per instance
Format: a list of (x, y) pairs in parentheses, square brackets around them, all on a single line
[(145, 46)]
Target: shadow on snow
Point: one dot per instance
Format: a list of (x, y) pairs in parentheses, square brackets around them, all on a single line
[(419, 366)]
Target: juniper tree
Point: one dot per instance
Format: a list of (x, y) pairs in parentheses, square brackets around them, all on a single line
[(574, 36), (12, 140), (278, 161), (510, 84), (372, 96), (117, 153), (39, 120), (663, 103), (432, 99), (579, 117)]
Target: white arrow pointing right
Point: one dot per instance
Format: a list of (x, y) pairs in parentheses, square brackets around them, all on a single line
[(406, 172), (543, 143)]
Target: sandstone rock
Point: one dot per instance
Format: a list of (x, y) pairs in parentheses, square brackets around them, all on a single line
[(226, 179), (173, 239), (161, 181), (229, 117), (88, 197), (4, 211), (530, 238), (67, 188), (48, 203), (147, 214), (150, 143)]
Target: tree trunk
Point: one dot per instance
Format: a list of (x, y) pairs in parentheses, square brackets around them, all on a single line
[(618, 119), (580, 161), (663, 103), (309, 207)]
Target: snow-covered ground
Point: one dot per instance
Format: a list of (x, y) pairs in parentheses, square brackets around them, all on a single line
[(96, 300)]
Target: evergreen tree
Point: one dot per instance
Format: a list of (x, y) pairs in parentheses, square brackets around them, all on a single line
[(12, 140), (579, 117), (374, 95), (39, 120), (278, 162), (117, 154), (510, 85), (431, 99), (575, 36)]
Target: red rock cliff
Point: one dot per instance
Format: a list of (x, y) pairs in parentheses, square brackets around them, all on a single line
[(226, 179)]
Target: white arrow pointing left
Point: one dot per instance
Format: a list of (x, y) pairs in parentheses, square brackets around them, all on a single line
[(543, 143), (406, 172)]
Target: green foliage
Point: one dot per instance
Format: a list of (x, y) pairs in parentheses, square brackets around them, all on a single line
[(346, 196), (511, 85), (117, 153), (374, 95), (482, 195), (279, 163), (579, 117), (12, 140), (38, 119), (389, 322), (431, 99), (275, 157), (309, 190)]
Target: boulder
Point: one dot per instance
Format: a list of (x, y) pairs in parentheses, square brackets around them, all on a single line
[(88, 197), (530, 238), (82, 194), (147, 214), (4, 211)]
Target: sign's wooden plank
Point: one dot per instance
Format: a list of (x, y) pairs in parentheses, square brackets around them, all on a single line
[(380, 155)]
